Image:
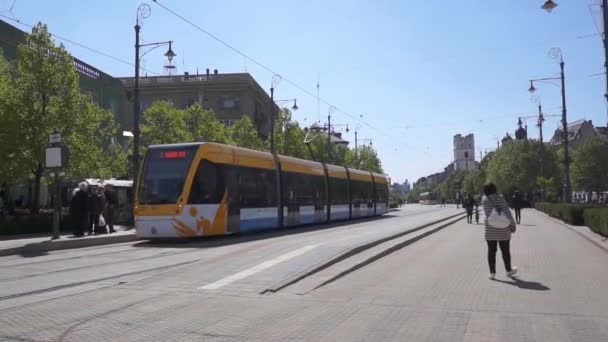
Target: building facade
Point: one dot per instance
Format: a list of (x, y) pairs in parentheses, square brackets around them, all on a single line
[(578, 132), (104, 89), (464, 152), (230, 96)]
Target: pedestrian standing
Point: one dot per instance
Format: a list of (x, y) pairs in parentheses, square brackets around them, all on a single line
[(103, 203), (79, 209), (469, 204), (92, 218), (499, 225), (517, 205), (110, 203), (96, 200)]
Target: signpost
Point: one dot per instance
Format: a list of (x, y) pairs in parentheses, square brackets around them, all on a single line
[(56, 158)]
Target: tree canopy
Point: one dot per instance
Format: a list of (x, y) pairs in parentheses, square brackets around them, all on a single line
[(590, 166), (516, 166), (41, 95)]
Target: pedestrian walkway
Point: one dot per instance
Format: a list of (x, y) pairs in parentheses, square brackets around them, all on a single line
[(17, 244), (436, 289)]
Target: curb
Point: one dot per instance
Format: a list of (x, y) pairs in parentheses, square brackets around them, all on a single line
[(386, 252), (345, 255), (576, 229), (55, 245)]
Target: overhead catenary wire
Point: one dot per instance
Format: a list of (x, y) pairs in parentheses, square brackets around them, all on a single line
[(261, 65), (79, 44)]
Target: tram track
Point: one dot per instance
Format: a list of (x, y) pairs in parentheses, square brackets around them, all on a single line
[(116, 262)]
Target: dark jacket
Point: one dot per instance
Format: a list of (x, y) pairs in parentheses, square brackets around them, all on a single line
[(110, 198), (79, 205), (517, 202), (96, 203)]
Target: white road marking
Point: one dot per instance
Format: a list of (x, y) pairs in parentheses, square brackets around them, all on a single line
[(257, 268)]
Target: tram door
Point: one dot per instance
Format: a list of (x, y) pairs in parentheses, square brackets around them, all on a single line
[(231, 173)]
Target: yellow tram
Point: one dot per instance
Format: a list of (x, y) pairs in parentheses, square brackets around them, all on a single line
[(205, 189)]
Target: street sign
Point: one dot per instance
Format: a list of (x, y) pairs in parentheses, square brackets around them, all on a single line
[(54, 138), (53, 157)]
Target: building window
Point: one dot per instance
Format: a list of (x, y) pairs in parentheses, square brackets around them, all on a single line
[(229, 102)]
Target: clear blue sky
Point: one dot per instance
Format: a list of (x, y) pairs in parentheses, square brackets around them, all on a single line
[(418, 71)]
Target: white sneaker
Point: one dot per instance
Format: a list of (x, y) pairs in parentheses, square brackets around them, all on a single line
[(492, 276), (513, 271)]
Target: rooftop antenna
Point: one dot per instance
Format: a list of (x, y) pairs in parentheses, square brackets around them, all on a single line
[(245, 64)]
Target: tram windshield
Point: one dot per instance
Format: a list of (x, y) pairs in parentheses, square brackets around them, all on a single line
[(165, 170)]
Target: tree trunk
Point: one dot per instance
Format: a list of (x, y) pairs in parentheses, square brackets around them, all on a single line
[(37, 180)]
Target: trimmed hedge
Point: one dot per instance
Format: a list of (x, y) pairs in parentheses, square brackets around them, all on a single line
[(597, 220), (569, 212), (30, 224)]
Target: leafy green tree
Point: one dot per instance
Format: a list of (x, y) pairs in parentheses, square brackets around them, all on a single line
[(244, 134), (90, 139), (9, 127), (473, 182), (590, 166), (516, 166), (289, 137), (204, 126), (367, 159), (164, 124), (44, 97)]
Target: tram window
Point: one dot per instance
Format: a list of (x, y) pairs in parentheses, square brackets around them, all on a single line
[(381, 193), (362, 192), (319, 193), (209, 184), (338, 188), (303, 190), (165, 169), (257, 188)]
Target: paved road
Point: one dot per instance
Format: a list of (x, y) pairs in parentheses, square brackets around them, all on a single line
[(433, 290)]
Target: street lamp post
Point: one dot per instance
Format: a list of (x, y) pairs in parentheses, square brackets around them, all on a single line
[(283, 127), (275, 80), (556, 53), (143, 11), (549, 5)]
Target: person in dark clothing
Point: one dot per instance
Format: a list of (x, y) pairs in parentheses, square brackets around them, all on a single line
[(469, 204), (79, 210), (96, 201), (110, 203), (517, 205)]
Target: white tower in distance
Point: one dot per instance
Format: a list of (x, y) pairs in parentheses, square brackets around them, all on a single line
[(464, 152)]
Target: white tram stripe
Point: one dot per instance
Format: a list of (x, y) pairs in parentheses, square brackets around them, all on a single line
[(257, 268)]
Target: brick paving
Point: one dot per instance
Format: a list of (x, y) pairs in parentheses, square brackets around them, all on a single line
[(433, 290)]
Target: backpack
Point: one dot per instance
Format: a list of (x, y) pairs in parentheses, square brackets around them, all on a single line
[(497, 218)]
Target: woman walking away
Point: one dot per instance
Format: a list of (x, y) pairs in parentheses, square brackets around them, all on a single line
[(517, 205), (499, 226)]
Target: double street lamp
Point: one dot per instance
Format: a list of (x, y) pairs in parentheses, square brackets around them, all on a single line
[(143, 11), (556, 54)]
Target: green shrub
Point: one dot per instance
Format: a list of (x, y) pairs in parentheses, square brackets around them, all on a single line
[(30, 224), (597, 220), (569, 212)]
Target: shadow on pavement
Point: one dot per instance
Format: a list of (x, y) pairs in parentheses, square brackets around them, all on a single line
[(525, 284), (218, 241)]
